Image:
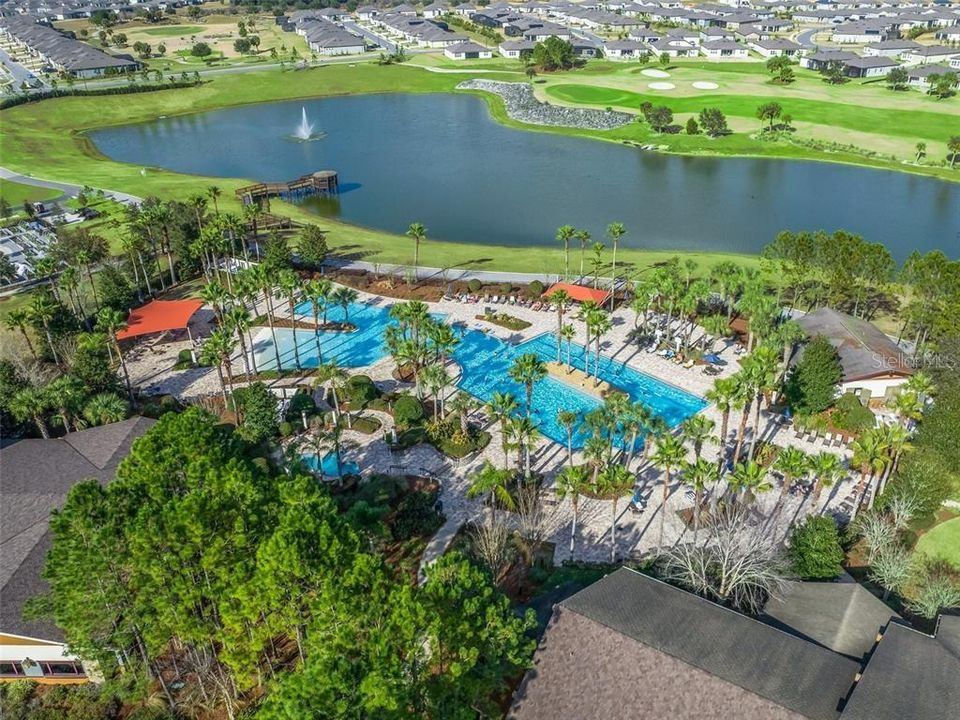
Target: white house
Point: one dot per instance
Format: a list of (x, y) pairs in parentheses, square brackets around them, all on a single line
[(723, 50), (516, 48), (774, 47), (468, 50), (929, 54), (624, 49), (890, 48), (672, 48), (919, 75), (434, 10)]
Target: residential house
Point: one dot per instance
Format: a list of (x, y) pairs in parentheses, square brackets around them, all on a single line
[(672, 48), (467, 50), (821, 59), (873, 365), (723, 50), (775, 47), (890, 48), (919, 75), (516, 48), (874, 66), (624, 49), (35, 480), (929, 54), (434, 10)]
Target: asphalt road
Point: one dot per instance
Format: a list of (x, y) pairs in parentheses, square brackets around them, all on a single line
[(372, 37), (805, 38), (17, 71), (65, 188)]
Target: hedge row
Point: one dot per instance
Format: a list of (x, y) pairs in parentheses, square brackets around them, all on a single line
[(117, 90)]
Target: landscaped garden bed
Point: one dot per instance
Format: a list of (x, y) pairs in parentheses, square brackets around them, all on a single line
[(504, 320)]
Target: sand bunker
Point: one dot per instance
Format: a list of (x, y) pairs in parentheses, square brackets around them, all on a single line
[(650, 72), (661, 86), (704, 85)]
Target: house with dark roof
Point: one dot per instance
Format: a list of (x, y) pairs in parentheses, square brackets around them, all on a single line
[(873, 365), (468, 50), (632, 646), (35, 477)]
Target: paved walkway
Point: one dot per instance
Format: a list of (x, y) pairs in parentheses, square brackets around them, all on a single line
[(66, 188)]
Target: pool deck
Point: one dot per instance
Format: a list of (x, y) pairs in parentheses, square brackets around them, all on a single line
[(636, 533)]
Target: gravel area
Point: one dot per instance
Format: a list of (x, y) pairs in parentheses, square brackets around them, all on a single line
[(524, 107)]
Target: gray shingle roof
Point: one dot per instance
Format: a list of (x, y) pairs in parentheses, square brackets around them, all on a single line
[(863, 349), (842, 616), (755, 661), (911, 676), (35, 477)]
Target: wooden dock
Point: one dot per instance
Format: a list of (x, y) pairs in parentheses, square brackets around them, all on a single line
[(324, 182)]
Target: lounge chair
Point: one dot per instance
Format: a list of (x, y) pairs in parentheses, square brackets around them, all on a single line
[(495, 299), (536, 306), (837, 440)]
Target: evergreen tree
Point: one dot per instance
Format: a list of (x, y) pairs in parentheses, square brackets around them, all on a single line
[(812, 384)]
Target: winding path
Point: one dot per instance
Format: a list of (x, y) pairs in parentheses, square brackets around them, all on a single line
[(66, 188)]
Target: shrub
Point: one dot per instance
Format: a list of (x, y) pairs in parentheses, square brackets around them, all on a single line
[(506, 288), (360, 390), (815, 551), (535, 289), (692, 127), (285, 428), (258, 408), (312, 247), (300, 403), (407, 411), (200, 49), (417, 516), (812, 384), (850, 415), (474, 285)]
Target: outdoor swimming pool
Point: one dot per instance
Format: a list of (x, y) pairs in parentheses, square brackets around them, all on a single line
[(329, 465), (485, 361)]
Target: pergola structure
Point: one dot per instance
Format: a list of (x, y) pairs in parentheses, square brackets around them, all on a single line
[(160, 316)]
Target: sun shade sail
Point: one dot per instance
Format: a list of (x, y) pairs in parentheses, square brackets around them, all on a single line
[(158, 316)]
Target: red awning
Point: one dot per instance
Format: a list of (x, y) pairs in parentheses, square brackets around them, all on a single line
[(158, 316), (579, 292)]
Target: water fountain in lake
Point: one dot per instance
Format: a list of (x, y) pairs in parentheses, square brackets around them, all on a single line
[(304, 131)]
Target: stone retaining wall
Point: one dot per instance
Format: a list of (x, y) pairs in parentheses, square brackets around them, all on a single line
[(522, 106)]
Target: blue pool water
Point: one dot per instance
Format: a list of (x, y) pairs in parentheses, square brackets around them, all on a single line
[(329, 465), (485, 361)]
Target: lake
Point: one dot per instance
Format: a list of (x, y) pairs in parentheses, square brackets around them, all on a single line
[(443, 161)]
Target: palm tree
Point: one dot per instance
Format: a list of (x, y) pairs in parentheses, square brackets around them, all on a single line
[(614, 482), (921, 148), (463, 404), (32, 403), (566, 233), (435, 378), (527, 370), (493, 483), (583, 237), (696, 430), (722, 395), (699, 475), (897, 441), (162, 216), (668, 456), (602, 324), (742, 399), (572, 482), (921, 384), (263, 278), (19, 319), (615, 231), (587, 311), (748, 479), (417, 232), (524, 435), (568, 333), (110, 322), (44, 310), (66, 395), (907, 405), (252, 214), (199, 204), (217, 351), (105, 408), (826, 469), (289, 287), (568, 420), (344, 297), (335, 375), (214, 193), (598, 248), (237, 318), (501, 406), (561, 298), (316, 292), (216, 296), (84, 261), (870, 455), (792, 463), (789, 333), (762, 367), (636, 420)]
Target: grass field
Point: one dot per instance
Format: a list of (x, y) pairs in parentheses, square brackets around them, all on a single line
[(172, 30), (16, 194), (942, 542)]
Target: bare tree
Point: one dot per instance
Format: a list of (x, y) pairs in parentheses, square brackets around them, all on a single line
[(491, 543), (535, 521), (740, 564)]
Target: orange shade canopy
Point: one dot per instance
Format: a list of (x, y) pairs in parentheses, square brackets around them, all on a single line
[(159, 316), (579, 292)]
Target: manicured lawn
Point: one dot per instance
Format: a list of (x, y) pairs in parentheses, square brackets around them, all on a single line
[(172, 30), (16, 194), (942, 542)]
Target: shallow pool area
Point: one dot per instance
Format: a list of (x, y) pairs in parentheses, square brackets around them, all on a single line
[(329, 466), (485, 361)]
